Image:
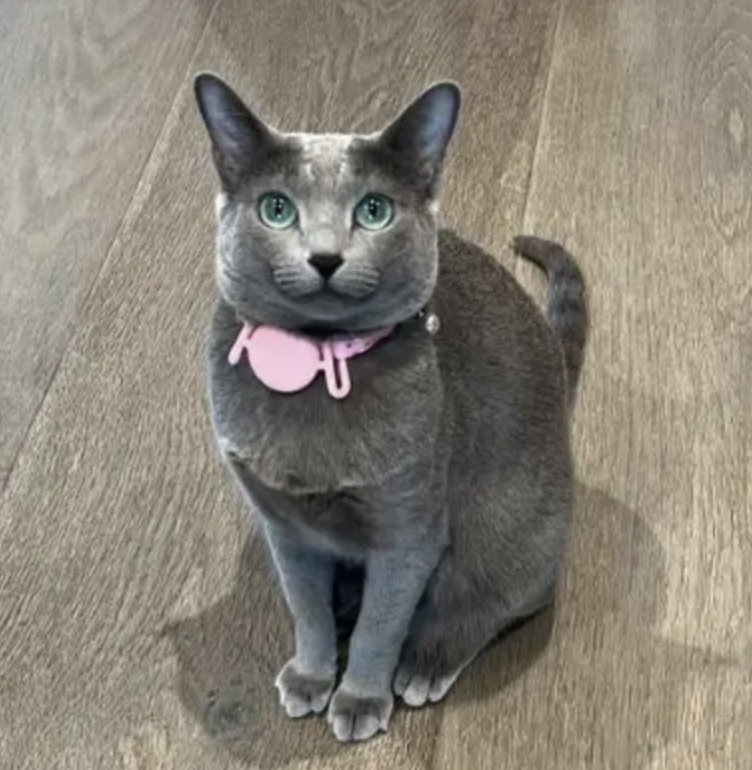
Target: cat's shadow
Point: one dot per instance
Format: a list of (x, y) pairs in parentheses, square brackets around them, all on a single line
[(228, 655)]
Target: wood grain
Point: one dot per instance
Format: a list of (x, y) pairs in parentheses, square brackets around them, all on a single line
[(139, 627), (85, 88), (642, 168)]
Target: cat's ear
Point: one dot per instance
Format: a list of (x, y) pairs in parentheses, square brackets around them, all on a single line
[(238, 136), (422, 131)]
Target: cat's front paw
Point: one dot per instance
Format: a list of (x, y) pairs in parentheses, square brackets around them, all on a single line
[(301, 692), (358, 716)]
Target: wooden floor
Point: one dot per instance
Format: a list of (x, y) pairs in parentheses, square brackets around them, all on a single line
[(138, 629)]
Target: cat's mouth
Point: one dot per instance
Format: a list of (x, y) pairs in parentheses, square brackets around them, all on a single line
[(327, 311), (329, 293), (350, 285)]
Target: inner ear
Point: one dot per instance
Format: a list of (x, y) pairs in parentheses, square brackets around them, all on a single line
[(423, 130), (238, 136)]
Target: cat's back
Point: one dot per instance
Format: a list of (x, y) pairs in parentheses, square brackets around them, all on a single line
[(495, 344)]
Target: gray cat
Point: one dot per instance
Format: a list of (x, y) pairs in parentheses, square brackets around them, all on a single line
[(440, 487)]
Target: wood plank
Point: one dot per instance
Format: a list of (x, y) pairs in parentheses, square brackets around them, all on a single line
[(140, 626), (643, 169), (85, 88)]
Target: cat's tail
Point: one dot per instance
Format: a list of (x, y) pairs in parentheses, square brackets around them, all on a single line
[(566, 305)]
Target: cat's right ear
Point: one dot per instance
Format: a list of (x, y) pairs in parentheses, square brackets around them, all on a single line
[(238, 136), (423, 131)]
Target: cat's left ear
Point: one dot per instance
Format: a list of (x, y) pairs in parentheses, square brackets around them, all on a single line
[(423, 130)]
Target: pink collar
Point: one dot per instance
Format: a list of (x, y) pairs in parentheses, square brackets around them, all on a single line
[(288, 363)]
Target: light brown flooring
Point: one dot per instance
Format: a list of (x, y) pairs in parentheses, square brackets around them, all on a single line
[(138, 629)]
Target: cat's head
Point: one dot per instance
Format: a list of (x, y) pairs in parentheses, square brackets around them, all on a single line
[(327, 231)]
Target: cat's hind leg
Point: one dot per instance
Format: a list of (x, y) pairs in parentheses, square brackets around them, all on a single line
[(444, 642)]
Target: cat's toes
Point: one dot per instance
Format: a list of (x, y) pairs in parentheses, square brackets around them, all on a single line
[(302, 693), (356, 716), (417, 688)]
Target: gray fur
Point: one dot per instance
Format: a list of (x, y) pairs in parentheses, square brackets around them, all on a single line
[(437, 496), (566, 309)]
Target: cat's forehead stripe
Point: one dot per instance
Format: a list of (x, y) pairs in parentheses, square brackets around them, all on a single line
[(324, 157)]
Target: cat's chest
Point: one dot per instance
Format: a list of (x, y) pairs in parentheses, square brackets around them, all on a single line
[(310, 443), (299, 449), (347, 522)]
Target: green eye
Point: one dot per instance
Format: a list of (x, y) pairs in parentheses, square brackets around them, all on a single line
[(277, 210), (374, 212)]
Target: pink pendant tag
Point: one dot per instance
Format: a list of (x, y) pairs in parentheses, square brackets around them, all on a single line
[(287, 363)]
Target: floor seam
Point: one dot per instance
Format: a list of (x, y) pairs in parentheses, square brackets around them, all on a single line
[(543, 110)]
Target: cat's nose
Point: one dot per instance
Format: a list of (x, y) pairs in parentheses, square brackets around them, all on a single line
[(326, 265)]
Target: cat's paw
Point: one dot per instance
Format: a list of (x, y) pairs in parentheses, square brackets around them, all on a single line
[(356, 716), (417, 688), (302, 693)]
